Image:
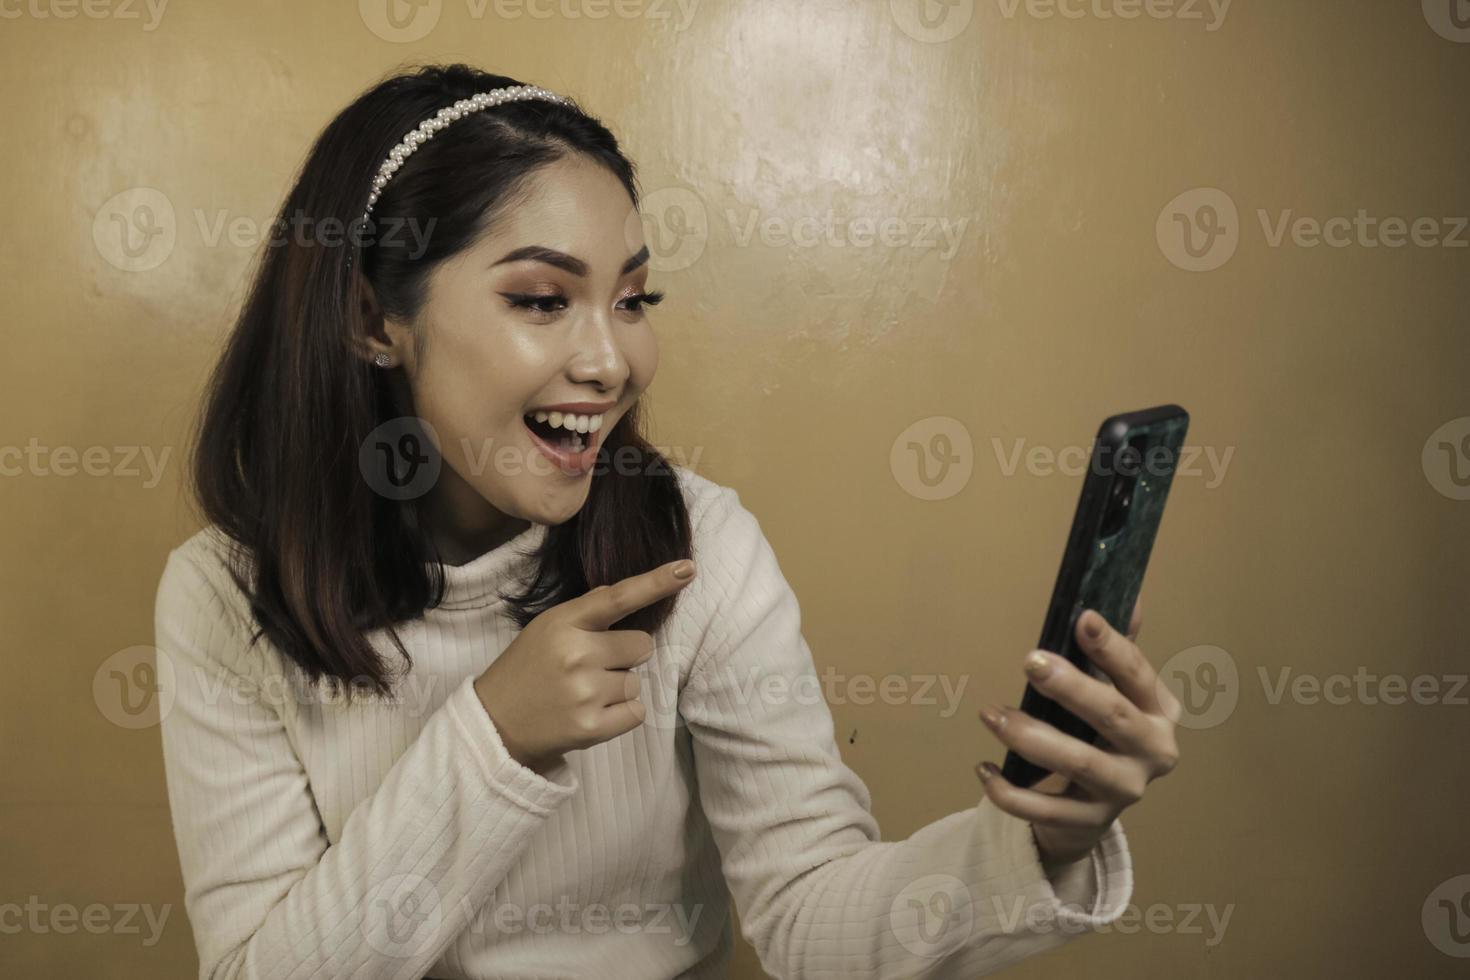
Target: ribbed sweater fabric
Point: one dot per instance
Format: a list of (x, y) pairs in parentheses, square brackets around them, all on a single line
[(396, 838)]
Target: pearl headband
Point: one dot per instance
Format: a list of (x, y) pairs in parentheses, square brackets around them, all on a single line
[(425, 130)]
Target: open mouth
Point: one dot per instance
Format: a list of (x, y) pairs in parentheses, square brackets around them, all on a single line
[(553, 431), (560, 437)]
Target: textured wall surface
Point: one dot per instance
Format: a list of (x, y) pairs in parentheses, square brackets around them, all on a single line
[(914, 252)]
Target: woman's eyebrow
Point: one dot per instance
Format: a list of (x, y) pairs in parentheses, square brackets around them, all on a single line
[(572, 264)]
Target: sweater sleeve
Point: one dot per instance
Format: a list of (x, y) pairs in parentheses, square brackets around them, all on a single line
[(266, 893), (818, 893)]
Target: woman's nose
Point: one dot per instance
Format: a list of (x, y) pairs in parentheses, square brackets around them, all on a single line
[(597, 355)]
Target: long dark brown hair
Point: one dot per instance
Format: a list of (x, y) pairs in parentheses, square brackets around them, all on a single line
[(323, 557)]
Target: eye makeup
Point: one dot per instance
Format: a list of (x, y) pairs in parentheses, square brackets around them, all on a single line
[(549, 303)]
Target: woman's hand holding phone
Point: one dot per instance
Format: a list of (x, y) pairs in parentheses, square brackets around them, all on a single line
[(1090, 785)]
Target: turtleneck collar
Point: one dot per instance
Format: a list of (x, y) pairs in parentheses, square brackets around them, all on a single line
[(476, 582)]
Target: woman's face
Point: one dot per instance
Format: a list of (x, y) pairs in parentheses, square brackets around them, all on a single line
[(508, 333)]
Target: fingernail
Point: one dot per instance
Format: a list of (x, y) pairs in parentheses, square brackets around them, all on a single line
[(986, 771), (1037, 664), (1093, 626), (683, 570), (991, 715)]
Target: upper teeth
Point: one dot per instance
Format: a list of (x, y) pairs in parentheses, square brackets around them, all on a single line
[(569, 421)]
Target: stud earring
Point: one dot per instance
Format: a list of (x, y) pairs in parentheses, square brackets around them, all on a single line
[(382, 360)]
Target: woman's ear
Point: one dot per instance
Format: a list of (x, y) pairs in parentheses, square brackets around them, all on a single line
[(370, 334)]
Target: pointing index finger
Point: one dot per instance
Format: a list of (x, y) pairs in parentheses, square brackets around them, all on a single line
[(605, 605)]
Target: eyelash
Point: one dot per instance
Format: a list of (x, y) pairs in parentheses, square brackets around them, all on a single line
[(530, 301)]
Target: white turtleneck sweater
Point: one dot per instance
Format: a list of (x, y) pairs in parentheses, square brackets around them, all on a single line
[(398, 839)]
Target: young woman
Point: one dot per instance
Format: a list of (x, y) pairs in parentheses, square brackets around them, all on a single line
[(443, 693)]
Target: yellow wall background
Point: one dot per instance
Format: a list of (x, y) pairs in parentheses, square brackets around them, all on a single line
[(1328, 537)]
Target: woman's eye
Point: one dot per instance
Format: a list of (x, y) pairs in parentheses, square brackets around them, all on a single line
[(640, 300), (548, 304), (545, 304)]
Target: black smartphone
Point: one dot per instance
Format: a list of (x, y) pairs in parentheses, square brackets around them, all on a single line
[(1128, 476)]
